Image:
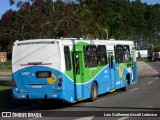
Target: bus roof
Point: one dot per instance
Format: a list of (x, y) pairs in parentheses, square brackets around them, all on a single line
[(72, 41)]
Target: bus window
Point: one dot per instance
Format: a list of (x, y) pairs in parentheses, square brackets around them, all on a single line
[(101, 54), (126, 53), (119, 53), (91, 54), (67, 57)]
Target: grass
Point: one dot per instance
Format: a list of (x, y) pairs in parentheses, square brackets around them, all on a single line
[(4, 88)]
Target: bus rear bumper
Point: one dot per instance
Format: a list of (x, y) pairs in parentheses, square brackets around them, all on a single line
[(36, 95), (61, 95)]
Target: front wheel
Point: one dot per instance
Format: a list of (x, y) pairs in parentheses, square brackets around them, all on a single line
[(126, 86), (94, 92)]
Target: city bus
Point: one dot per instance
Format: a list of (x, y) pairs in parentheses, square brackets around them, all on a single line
[(71, 70)]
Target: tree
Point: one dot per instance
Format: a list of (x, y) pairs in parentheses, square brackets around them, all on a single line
[(86, 18)]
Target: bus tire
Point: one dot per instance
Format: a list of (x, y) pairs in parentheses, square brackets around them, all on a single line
[(94, 92), (125, 87), (127, 83)]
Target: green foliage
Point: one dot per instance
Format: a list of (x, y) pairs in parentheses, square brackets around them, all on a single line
[(88, 19), (157, 49)]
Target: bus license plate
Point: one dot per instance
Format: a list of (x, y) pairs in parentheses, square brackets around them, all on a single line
[(37, 86)]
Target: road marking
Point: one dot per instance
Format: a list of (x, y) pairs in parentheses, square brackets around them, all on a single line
[(156, 78), (123, 118), (100, 99), (150, 82), (134, 89), (95, 101), (85, 118)]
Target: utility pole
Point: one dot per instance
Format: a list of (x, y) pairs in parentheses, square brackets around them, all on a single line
[(107, 33)]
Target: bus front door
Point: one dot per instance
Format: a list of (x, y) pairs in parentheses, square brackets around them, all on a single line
[(78, 74)]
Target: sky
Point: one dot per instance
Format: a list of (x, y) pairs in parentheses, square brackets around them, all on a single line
[(4, 5)]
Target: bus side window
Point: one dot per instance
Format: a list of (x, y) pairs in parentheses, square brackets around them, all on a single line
[(67, 57), (102, 55), (91, 54), (119, 53)]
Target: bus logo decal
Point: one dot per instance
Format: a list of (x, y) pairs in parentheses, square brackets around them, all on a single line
[(120, 70), (25, 73), (50, 80)]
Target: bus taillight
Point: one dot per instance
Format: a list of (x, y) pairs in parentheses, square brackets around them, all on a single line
[(59, 84), (60, 80), (14, 83)]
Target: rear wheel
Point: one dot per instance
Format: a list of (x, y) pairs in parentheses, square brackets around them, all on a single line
[(127, 83), (125, 88), (94, 92)]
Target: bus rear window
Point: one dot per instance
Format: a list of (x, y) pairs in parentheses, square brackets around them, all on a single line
[(67, 57), (43, 74)]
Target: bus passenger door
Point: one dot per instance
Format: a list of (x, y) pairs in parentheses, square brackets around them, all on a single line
[(78, 74), (111, 68)]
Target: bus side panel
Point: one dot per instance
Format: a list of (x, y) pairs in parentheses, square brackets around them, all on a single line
[(127, 73), (68, 89), (121, 72), (103, 82), (118, 75)]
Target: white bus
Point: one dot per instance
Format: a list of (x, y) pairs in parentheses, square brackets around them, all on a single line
[(71, 70)]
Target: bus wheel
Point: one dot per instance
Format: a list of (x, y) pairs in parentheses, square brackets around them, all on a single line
[(125, 87), (94, 92), (127, 82)]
